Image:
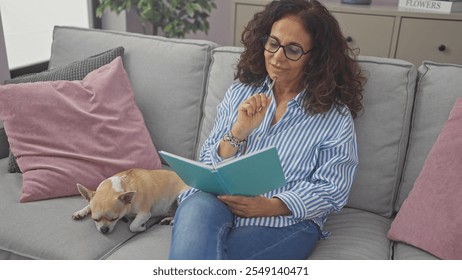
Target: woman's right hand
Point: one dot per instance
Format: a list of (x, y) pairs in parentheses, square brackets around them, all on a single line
[(250, 115)]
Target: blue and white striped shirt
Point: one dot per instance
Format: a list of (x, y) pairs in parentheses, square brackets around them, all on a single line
[(318, 155)]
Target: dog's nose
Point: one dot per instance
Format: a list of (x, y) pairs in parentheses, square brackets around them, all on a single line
[(104, 229)]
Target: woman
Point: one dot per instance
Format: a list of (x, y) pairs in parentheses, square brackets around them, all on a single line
[(307, 115)]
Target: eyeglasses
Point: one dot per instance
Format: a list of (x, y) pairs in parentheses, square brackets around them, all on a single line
[(292, 52)]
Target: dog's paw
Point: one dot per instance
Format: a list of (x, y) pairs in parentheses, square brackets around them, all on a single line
[(78, 215), (167, 221), (137, 228), (82, 213)]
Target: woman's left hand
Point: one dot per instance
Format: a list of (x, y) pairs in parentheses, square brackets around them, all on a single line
[(257, 206)]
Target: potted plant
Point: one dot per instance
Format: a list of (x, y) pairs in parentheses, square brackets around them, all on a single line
[(175, 18)]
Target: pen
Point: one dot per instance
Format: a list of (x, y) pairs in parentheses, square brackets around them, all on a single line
[(271, 86), (268, 92)]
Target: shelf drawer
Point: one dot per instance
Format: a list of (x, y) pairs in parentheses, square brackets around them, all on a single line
[(372, 34), (427, 39)]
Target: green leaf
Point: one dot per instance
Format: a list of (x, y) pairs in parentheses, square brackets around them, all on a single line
[(196, 7), (190, 10), (175, 17)]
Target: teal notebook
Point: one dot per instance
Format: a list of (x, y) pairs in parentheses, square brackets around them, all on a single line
[(249, 175)]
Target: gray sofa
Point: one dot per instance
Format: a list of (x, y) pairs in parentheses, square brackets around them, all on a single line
[(178, 84)]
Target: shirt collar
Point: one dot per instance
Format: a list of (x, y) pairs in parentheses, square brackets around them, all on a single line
[(297, 99)]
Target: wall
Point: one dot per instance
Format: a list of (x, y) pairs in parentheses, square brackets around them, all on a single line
[(221, 28)]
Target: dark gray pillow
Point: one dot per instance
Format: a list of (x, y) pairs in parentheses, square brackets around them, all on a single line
[(75, 71)]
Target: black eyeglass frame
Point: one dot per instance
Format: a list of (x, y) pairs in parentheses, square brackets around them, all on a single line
[(264, 40)]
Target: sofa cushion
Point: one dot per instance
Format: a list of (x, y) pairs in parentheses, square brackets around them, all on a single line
[(4, 146), (168, 78), (435, 197), (403, 251), (356, 235), (75, 71), (68, 132), (438, 87), (383, 132), (154, 244)]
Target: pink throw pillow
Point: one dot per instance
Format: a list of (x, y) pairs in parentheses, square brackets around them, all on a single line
[(430, 217), (68, 132)]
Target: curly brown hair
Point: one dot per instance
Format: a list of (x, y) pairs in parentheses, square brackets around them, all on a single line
[(332, 75)]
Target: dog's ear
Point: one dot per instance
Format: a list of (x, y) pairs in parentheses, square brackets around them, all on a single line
[(127, 197), (86, 193)]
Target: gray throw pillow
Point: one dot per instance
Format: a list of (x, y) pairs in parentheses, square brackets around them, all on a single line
[(74, 71)]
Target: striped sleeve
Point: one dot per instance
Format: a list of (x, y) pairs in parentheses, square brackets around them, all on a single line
[(328, 188), (185, 194)]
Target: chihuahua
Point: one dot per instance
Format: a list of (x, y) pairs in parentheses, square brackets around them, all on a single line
[(135, 192)]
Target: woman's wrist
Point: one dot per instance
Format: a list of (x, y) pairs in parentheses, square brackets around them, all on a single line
[(229, 145), (234, 141), (279, 207), (238, 133)]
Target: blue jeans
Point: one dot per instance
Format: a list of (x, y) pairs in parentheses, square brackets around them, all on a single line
[(203, 229)]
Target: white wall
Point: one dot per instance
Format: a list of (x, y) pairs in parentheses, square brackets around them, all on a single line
[(28, 26), (221, 27), (4, 70)]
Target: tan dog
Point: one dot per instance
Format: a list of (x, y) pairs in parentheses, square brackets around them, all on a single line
[(139, 192)]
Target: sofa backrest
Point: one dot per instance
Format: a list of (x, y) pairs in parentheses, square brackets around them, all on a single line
[(168, 77), (220, 78), (438, 87), (382, 128), (383, 133)]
